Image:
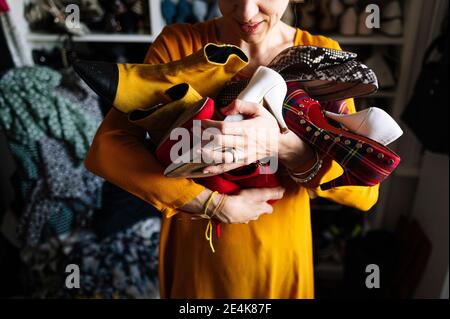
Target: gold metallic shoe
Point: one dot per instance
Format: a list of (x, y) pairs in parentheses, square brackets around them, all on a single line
[(140, 86)]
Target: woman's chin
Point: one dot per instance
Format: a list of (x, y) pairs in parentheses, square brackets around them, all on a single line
[(255, 37)]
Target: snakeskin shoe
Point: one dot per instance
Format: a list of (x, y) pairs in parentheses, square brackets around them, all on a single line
[(325, 74)]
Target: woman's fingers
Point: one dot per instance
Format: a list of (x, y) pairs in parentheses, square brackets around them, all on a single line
[(214, 156), (272, 193), (249, 205), (242, 107), (220, 142), (228, 128), (221, 168), (266, 208)]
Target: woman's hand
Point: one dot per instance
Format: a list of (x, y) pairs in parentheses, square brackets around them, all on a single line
[(254, 138), (248, 205)]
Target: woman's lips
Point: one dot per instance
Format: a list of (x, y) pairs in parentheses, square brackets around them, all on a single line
[(249, 28)]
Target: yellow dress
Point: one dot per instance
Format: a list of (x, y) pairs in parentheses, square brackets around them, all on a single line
[(268, 258)]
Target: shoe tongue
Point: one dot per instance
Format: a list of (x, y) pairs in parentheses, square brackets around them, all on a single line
[(102, 77)]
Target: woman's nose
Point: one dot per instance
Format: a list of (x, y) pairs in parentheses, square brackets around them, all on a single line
[(247, 9)]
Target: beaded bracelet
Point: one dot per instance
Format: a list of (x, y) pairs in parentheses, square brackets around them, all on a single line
[(313, 171)]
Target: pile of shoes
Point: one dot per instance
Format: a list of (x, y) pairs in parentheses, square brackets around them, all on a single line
[(163, 97), (349, 17), (125, 16)]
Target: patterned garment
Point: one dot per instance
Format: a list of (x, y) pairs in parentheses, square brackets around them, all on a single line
[(49, 120), (65, 180), (308, 59), (365, 162), (32, 107), (124, 265)]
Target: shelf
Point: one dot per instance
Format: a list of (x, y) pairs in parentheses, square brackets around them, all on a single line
[(147, 38), (367, 40), (93, 37)]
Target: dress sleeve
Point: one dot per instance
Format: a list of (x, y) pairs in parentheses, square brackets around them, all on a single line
[(360, 197), (119, 155)]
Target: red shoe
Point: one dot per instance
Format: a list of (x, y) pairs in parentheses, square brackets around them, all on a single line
[(203, 110), (365, 162), (249, 176)]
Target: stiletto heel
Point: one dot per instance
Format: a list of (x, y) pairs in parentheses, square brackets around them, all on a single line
[(274, 100), (373, 123), (266, 86), (365, 162)]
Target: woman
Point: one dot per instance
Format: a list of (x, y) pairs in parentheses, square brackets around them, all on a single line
[(265, 251)]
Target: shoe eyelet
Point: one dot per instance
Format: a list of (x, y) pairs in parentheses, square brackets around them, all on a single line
[(359, 145), (369, 150), (326, 137), (317, 133), (391, 162), (337, 139), (380, 156), (302, 122), (347, 142), (308, 129)]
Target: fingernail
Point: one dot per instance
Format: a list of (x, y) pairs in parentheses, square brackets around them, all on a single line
[(206, 171)]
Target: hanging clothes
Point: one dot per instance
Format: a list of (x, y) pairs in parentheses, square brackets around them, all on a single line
[(123, 265), (49, 127)]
